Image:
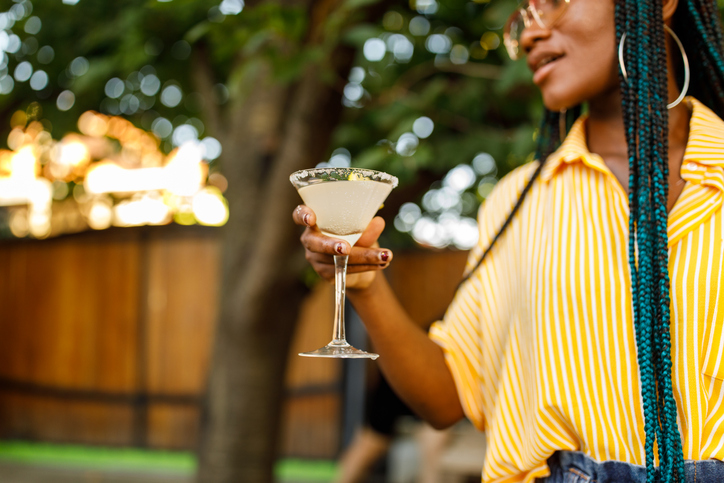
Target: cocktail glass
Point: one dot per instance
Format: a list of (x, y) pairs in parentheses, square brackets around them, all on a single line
[(345, 200)]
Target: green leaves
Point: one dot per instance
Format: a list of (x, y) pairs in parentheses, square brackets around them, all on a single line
[(359, 34)]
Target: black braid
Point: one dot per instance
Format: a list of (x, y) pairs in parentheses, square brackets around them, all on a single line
[(548, 140)]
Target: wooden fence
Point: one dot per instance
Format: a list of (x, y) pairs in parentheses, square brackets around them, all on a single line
[(105, 338)]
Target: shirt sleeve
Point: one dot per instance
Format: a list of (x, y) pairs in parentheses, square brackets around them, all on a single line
[(472, 332)]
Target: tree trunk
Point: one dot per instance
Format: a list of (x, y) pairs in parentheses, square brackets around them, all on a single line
[(261, 290)]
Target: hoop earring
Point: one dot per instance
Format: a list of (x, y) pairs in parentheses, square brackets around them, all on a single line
[(687, 70)]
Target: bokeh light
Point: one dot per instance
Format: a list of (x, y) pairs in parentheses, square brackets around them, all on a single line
[(231, 7), (426, 7), (171, 96), (438, 44), (445, 215), (162, 127), (6, 84), (39, 80), (484, 164), (79, 66), (423, 127), (419, 26), (33, 25), (114, 88), (150, 84), (459, 54), (401, 47), (374, 49), (211, 147), (393, 20), (23, 71), (407, 144), (353, 92)]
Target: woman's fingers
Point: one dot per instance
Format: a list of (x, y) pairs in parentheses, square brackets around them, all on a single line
[(304, 216), (369, 256), (365, 258), (372, 232), (314, 241), (324, 266), (360, 257)]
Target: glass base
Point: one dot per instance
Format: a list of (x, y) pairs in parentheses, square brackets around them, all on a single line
[(341, 352)]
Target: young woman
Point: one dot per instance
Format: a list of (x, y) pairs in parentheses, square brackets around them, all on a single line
[(587, 339)]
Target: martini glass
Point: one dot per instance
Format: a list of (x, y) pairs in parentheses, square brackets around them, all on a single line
[(345, 200)]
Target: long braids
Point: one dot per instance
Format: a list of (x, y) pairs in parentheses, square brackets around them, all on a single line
[(644, 101), (644, 96)]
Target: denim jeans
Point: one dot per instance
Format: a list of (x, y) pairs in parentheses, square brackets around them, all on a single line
[(575, 467)]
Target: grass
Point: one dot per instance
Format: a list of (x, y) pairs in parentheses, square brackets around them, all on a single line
[(102, 458)]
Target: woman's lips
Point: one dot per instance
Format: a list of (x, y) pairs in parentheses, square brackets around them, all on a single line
[(542, 72)]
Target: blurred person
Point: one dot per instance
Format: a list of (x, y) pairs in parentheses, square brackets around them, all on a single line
[(587, 337), (372, 441)]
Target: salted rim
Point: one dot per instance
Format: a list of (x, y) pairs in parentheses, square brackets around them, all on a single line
[(368, 173)]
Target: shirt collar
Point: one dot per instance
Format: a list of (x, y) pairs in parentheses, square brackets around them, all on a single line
[(573, 150), (702, 168), (704, 149), (706, 138)]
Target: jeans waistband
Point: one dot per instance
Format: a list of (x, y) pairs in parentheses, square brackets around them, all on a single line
[(576, 467)]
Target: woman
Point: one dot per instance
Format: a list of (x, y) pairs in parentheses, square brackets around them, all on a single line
[(587, 339)]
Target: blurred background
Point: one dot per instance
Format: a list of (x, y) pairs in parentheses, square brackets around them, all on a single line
[(153, 293)]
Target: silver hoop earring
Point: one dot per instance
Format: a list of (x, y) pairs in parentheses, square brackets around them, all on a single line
[(687, 71)]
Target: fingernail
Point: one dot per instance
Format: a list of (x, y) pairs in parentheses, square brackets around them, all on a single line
[(339, 248), (305, 218), (384, 256)]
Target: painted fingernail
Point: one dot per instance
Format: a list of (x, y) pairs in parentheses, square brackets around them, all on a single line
[(384, 256), (305, 218), (339, 248)]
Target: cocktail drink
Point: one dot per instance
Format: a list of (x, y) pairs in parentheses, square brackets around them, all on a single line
[(344, 200)]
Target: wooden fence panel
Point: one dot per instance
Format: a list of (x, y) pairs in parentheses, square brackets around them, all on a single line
[(106, 337)]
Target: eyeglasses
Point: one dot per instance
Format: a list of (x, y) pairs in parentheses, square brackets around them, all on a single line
[(545, 13)]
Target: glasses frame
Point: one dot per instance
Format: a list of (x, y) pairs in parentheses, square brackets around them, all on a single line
[(529, 14)]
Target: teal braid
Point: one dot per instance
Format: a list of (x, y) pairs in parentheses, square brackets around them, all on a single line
[(699, 27), (673, 462), (644, 97)]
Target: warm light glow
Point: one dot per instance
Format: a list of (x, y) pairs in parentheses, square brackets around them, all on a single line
[(108, 177), (23, 164), (93, 124), (73, 153), (185, 172), (148, 210), (100, 215), (127, 180), (210, 208), (19, 223)]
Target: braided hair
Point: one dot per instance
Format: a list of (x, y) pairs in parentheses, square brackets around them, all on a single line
[(644, 103)]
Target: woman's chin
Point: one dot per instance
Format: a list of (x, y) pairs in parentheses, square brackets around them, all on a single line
[(555, 103)]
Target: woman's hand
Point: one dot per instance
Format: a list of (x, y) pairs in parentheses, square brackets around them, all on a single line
[(365, 258)]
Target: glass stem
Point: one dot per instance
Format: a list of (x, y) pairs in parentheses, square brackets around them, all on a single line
[(340, 287)]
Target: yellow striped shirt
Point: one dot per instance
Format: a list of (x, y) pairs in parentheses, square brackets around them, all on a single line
[(541, 340)]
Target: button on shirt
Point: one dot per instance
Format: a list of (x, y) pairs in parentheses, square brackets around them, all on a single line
[(541, 340)]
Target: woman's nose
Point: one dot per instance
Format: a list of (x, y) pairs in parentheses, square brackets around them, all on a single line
[(532, 34)]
